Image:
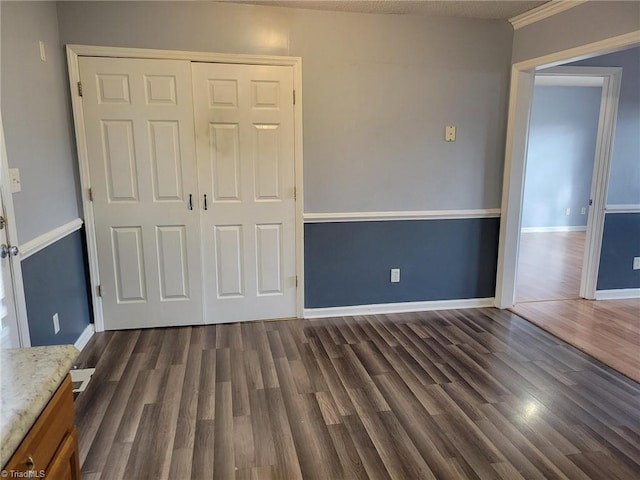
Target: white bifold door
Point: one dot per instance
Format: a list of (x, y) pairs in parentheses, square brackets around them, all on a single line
[(192, 177), (244, 144), (139, 134)]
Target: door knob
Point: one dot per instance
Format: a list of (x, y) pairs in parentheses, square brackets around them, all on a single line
[(8, 251)]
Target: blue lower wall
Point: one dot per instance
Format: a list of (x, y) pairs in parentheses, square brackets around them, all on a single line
[(349, 263), (620, 243), (55, 281)]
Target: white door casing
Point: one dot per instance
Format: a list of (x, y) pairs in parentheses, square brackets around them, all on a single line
[(244, 118), (522, 78), (138, 118), (9, 329), (14, 329)]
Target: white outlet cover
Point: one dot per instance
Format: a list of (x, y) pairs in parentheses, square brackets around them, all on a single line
[(636, 263), (56, 323), (395, 275)]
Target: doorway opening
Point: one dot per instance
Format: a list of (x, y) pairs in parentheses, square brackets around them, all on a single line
[(564, 130)]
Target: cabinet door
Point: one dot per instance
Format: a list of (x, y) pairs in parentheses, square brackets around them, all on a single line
[(138, 117), (245, 150), (65, 465)]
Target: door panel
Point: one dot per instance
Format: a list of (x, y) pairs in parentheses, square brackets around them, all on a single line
[(139, 129), (245, 150)]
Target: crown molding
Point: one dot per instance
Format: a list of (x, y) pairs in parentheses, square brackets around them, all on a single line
[(543, 11)]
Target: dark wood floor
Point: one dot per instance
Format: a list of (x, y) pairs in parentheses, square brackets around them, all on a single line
[(478, 394)]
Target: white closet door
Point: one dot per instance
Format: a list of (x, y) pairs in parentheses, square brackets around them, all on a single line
[(140, 140), (245, 150)]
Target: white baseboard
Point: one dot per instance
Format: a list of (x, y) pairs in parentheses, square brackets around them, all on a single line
[(618, 294), (382, 308), (579, 228), (84, 337)]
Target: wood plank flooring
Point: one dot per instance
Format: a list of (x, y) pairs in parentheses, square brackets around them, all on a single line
[(466, 394), (549, 266), (609, 330)]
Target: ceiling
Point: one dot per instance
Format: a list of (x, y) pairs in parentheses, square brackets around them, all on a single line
[(501, 9)]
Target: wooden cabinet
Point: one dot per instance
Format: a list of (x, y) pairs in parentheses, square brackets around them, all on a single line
[(50, 449)]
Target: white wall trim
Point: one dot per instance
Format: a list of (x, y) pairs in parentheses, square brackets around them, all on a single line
[(632, 208), (76, 51), (572, 228), (383, 308), (582, 52), (49, 238), (618, 294), (401, 215), (84, 337), (543, 11)]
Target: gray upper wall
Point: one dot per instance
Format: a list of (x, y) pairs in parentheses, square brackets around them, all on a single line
[(561, 150), (36, 118), (624, 179), (378, 91), (587, 23)]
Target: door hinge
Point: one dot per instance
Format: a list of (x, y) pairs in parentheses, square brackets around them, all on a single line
[(99, 290), (295, 193), (296, 281), (294, 97), (90, 195), (80, 88)]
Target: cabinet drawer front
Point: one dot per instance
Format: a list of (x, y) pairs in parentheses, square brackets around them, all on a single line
[(43, 440)]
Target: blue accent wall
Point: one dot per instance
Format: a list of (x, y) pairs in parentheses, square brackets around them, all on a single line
[(620, 243), (349, 263), (55, 281)]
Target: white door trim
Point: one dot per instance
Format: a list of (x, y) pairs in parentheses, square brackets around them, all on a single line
[(522, 80), (76, 51), (12, 239)]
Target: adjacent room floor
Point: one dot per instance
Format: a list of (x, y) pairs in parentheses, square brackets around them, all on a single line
[(548, 294), (450, 395), (549, 266)]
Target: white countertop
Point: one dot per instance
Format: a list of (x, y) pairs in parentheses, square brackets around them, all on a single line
[(28, 379)]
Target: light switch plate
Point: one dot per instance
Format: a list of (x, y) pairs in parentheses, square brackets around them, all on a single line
[(14, 180), (450, 133)]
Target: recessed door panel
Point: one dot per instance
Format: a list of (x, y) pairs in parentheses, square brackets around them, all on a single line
[(223, 93), (229, 253), (119, 160), (128, 259), (164, 146), (266, 151), (269, 257), (265, 94), (224, 144), (113, 88), (160, 89), (172, 262)]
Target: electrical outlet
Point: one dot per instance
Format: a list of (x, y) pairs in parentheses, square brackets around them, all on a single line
[(56, 323), (567, 211), (583, 211), (636, 263), (395, 275)]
